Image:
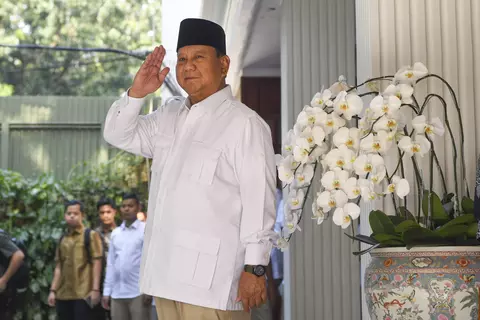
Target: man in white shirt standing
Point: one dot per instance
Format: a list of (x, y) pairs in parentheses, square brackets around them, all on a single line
[(121, 290), (212, 193)]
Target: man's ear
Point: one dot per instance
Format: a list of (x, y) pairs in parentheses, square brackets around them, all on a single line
[(225, 63)]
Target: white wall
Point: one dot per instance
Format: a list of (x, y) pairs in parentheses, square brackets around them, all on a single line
[(318, 45)]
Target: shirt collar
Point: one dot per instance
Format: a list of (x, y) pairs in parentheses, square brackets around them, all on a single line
[(133, 225), (212, 101), (77, 230)]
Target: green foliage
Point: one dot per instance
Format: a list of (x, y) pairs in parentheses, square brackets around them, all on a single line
[(442, 229), (124, 25), (32, 210)]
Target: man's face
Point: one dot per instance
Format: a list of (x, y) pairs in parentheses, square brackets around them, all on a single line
[(199, 71), (107, 214), (129, 209), (73, 216)]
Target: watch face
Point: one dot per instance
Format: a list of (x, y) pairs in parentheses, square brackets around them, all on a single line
[(259, 270)]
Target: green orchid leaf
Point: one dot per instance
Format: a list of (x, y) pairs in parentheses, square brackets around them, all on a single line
[(386, 239), (467, 205), (381, 223), (452, 231), (472, 230), (439, 216), (463, 219), (405, 225), (405, 214), (422, 236)]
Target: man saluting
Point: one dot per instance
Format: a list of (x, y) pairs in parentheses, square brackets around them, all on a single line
[(212, 197)]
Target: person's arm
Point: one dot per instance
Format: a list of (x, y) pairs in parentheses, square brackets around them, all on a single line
[(57, 273), (15, 263), (127, 130), (124, 128), (97, 256), (107, 284), (256, 173)]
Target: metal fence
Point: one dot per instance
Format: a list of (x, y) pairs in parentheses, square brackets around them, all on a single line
[(52, 134)]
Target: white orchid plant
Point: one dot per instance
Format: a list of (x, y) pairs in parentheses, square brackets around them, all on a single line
[(348, 144)]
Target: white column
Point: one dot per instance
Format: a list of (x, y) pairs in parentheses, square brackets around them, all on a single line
[(318, 45)]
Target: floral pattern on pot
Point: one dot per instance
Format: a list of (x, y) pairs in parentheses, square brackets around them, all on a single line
[(424, 283)]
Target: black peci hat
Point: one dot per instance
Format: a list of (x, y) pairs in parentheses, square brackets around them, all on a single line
[(201, 32)]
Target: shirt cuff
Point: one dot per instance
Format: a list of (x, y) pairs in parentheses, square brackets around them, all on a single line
[(258, 254), (107, 292), (129, 104)]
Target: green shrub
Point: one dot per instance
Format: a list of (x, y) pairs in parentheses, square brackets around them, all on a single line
[(32, 210)]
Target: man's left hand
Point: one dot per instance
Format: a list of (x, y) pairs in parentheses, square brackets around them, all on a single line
[(147, 300), (251, 291), (95, 296)]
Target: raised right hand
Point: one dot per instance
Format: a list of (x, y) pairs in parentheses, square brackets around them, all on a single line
[(51, 299), (150, 76)]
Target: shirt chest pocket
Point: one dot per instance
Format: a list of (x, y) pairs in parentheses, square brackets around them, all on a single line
[(201, 163), (162, 145)]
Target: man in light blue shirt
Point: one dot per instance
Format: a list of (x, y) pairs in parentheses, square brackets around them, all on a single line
[(121, 290)]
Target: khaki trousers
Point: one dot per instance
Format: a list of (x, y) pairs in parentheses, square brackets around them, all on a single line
[(173, 310), (130, 309)]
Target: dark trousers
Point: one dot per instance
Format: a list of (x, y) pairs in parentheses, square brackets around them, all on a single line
[(11, 302), (73, 310)]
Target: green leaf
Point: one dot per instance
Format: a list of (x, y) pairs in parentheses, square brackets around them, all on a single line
[(381, 223), (396, 220), (467, 205), (452, 231), (404, 213), (472, 230), (362, 238), (384, 238), (463, 219), (421, 236), (438, 211), (405, 225)]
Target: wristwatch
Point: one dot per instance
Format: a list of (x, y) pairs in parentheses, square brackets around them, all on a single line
[(257, 270)]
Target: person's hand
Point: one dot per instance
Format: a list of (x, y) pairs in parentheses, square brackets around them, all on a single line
[(3, 284), (95, 297), (147, 300), (251, 291), (150, 76), (51, 299), (106, 302)]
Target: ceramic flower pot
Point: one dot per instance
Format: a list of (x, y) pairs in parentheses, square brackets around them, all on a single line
[(438, 283)]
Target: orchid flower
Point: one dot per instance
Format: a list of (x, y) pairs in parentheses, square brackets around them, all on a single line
[(343, 216), (435, 127), (411, 74), (399, 186), (402, 91), (331, 122), (334, 179), (303, 176), (420, 145), (328, 200), (349, 137), (317, 213), (341, 157), (385, 106), (321, 99), (380, 142), (347, 104)]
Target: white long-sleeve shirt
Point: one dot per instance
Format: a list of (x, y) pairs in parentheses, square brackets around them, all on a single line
[(123, 261), (212, 194)]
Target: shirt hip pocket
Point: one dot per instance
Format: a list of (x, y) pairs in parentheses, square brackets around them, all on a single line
[(194, 259)]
